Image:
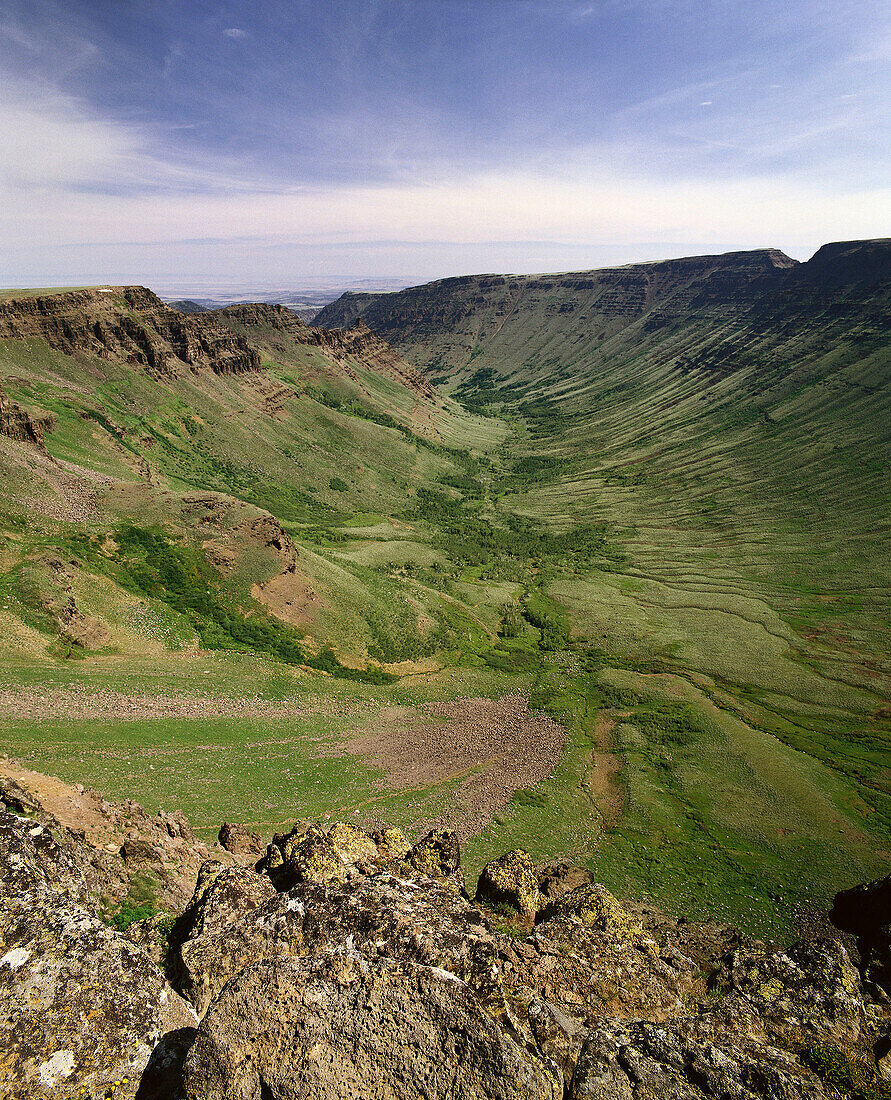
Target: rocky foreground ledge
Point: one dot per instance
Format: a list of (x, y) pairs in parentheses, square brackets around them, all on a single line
[(337, 963)]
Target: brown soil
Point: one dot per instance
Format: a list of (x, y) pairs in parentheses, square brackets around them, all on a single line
[(600, 781), (77, 809), (289, 597), (490, 748)]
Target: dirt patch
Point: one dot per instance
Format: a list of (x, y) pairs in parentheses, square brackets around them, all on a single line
[(74, 807), (289, 597), (487, 748), (601, 777)]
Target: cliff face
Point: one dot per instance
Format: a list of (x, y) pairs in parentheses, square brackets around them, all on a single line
[(611, 292), (20, 424), (357, 341), (564, 315), (345, 963), (130, 323)]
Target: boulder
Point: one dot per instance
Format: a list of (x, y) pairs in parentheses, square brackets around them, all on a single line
[(311, 858), (81, 1007), (436, 856), (809, 992), (559, 877), (640, 1060), (391, 844), (355, 847), (511, 880), (214, 945), (380, 916), (338, 1025), (594, 906), (239, 840), (307, 854)]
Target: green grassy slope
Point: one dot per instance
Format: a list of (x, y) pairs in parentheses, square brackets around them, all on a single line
[(651, 498), (729, 419)]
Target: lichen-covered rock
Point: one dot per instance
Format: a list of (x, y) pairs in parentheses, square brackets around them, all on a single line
[(593, 905), (589, 972), (436, 856), (215, 946), (559, 877), (354, 846), (80, 1006), (391, 844), (308, 854), (511, 880), (807, 993), (338, 1025), (640, 1060), (239, 840), (312, 859), (383, 915)]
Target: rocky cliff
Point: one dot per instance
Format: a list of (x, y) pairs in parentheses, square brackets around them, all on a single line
[(570, 316), (20, 424), (130, 323), (356, 341), (345, 964), (619, 291)]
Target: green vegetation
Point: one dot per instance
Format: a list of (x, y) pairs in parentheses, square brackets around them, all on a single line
[(847, 1075), (670, 532)]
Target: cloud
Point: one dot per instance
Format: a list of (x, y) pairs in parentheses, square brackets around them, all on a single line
[(491, 207), (49, 140)]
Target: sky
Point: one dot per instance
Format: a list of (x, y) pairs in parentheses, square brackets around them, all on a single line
[(198, 145)]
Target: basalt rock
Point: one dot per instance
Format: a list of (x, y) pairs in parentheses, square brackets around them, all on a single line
[(20, 424), (350, 964), (129, 323), (436, 856), (340, 1025), (239, 840), (81, 1007), (510, 880)]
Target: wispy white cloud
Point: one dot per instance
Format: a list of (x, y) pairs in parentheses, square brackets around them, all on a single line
[(374, 132)]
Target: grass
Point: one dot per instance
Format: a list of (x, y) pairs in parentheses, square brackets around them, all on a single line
[(675, 531)]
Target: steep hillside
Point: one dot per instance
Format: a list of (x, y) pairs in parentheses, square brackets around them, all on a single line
[(729, 419)]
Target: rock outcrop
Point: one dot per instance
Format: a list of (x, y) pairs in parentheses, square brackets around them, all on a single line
[(341, 345), (129, 323), (81, 1007), (354, 964), (339, 1024), (20, 424), (511, 880)]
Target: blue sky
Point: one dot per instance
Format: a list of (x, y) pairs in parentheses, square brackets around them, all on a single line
[(186, 142)]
